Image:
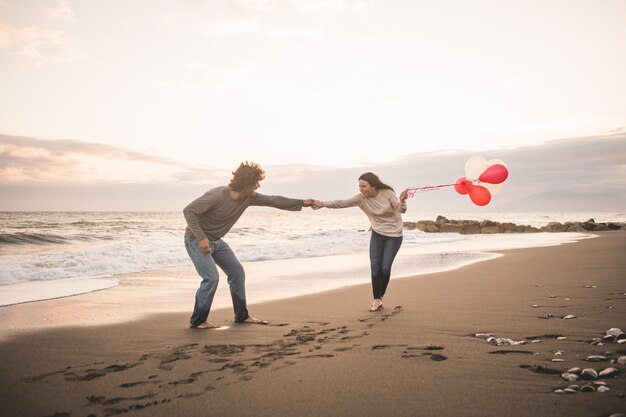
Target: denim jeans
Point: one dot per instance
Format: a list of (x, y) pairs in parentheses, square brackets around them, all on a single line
[(383, 250), (206, 264)]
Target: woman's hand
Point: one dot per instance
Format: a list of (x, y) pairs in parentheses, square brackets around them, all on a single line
[(404, 195), (316, 205)]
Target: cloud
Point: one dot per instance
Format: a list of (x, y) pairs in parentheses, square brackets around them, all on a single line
[(40, 174), (25, 160), (60, 11), (42, 45)]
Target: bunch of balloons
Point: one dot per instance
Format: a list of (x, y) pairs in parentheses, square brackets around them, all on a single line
[(482, 179)]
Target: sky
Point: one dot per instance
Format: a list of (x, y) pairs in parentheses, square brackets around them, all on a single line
[(144, 104)]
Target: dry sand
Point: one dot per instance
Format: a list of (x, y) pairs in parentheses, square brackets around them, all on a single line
[(111, 352)]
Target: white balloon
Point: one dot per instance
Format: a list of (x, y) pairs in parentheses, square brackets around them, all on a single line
[(493, 188), (474, 166)]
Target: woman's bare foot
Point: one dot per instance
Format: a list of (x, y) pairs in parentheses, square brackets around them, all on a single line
[(377, 305)]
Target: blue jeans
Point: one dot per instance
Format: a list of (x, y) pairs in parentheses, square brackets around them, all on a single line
[(206, 264), (383, 250)]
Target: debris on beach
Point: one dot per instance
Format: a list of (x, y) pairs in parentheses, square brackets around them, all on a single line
[(587, 374), (501, 341)]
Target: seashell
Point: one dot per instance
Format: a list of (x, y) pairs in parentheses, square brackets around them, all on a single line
[(558, 360), (589, 374), (592, 341), (535, 341), (622, 360), (603, 388), (558, 352), (570, 391), (552, 296), (559, 391), (548, 316), (483, 335), (598, 383), (588, 388), (609, 338), (621, 341), (614, 331), (569, 377), (569, 317), (574, 387), (608, 372), (561, 338), (535, 306), (596, 358), (576, 371), (567, 299)]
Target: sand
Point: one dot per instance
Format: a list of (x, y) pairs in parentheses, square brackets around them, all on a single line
[(127, 350)]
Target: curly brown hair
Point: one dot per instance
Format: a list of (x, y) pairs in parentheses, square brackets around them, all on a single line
[(246, 175)]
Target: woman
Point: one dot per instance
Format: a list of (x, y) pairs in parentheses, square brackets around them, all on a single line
[(383, 208)]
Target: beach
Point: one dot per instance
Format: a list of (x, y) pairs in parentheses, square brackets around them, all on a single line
[(127, 350)]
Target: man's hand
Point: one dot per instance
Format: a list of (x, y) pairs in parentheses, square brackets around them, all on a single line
[(205, 245), (308, 202)]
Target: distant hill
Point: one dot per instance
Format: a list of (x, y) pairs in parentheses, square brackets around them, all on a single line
[(568, 201)]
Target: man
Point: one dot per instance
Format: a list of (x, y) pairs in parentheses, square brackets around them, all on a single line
[(209, 218)]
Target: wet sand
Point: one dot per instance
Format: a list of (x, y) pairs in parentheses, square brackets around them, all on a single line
[(325, 354)]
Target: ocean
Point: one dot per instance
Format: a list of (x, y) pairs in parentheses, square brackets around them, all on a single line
[(53, 254)]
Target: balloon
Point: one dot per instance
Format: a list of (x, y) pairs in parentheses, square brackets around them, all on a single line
[(461, 186), (475, 166), (493, 188), (494, 174), (479, 195)]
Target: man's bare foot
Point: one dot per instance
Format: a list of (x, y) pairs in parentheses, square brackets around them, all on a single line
[(206, 325)]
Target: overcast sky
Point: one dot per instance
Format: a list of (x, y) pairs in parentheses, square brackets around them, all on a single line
[(144, 104)]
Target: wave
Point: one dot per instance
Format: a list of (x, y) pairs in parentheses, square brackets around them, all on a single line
[(25, 238)]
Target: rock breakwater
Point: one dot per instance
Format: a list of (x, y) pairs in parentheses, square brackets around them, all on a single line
[(468, 227)]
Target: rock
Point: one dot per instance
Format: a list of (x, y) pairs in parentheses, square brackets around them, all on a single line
[(596, 358), (569, 317), (589, 374), (622, 360), (614, 331), (608, 372), (576, 371), (569, 377), (489, 230), (603, 388), (588, 388)]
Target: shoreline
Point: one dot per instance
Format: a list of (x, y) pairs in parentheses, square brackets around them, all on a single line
[(408, 263), (325, 354)]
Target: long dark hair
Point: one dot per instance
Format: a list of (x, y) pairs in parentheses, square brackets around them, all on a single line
[(375, 182)]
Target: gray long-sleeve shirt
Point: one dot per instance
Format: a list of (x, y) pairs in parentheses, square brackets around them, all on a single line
[(215, 213)]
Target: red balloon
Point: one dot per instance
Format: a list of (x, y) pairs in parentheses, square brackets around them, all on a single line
[(461, 185), (494, 174), (479, 195)]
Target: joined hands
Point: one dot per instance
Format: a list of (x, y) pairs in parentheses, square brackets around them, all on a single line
[(314, 204)]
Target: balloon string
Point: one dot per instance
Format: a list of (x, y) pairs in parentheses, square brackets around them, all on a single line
[(410, 192)]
